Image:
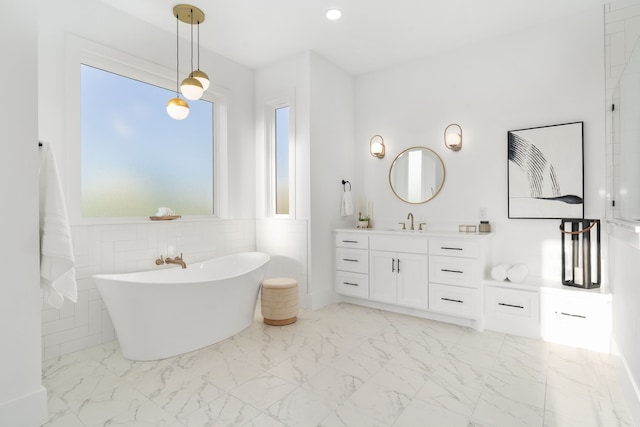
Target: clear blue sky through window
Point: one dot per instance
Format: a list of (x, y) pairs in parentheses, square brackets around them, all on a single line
[(134, 157), (282, 160)]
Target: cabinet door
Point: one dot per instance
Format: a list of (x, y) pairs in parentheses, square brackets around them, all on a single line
[(413, 288), (382, 283)]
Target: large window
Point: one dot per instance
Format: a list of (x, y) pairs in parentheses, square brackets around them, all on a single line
[(134, 157)]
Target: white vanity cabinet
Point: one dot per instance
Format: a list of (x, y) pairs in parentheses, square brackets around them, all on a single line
[(434, 275), (544, 308), (352, 264)]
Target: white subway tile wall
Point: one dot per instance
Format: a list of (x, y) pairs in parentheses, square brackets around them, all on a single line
[(622, 30), (121, 248)]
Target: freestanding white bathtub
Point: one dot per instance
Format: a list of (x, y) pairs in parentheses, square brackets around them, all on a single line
[(162, 313)]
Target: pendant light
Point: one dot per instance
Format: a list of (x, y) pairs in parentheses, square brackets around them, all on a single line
[(177, 108), (191, 87)]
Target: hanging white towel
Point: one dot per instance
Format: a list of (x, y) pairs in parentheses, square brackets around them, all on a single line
[(347, 203), (57, 262)]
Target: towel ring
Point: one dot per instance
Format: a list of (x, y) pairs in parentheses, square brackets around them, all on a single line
[(344, 183)]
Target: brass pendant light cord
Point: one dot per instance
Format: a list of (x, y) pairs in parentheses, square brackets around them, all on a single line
[(177, 60), (191, 18), (198, 45)]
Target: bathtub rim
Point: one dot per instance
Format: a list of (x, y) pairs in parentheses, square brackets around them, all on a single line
[(182, 274)]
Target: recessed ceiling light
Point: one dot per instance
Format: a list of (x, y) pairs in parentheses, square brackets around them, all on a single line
[(334, 14)]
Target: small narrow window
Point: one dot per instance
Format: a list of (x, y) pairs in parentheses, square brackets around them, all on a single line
[(282, 160)]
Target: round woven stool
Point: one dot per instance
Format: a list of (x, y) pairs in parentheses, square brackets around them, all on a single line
[(279, 301)]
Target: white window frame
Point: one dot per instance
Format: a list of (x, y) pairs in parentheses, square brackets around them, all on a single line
[(81, 51), (284, 100)]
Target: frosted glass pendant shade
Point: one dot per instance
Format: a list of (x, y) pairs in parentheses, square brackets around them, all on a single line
[(202, 77), (191, 88), (177, 108)]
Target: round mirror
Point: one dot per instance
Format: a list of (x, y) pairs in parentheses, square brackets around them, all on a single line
[(416, 175)]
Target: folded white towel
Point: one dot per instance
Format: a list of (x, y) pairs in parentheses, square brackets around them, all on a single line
[(499, 272), (346, 207), (517, 273), (57, 262)]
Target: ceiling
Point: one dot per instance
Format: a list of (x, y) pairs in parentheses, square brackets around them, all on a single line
[(371, 35)]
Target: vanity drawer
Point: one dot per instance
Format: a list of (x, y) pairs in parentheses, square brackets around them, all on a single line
[(454, 248), (414, 244), (454, 271), (572, 318), (352, 284), (512, 311), (354, 260), (352, 240), (454, 300)]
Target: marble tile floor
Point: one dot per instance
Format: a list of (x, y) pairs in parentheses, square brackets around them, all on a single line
[(342, 365)]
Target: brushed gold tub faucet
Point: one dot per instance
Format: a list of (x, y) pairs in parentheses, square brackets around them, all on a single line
[(177, 260)]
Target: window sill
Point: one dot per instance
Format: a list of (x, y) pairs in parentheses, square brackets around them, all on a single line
[(141, 220)]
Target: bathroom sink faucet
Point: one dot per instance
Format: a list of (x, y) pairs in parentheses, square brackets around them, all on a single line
[(410, 216), (177, 260)]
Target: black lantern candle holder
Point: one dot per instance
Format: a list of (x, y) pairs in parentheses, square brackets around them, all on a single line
[(582, 253)]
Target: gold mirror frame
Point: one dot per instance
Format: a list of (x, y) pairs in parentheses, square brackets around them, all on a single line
[(396, 163)]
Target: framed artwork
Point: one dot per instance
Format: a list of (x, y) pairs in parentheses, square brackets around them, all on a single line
[(546, 172)]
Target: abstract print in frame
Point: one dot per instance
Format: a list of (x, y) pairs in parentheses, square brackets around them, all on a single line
[(545, 172)]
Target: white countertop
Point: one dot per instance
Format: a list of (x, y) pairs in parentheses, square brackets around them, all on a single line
[(534, 283), (413, 233)]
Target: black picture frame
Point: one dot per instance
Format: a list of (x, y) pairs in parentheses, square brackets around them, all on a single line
[(545, 167)]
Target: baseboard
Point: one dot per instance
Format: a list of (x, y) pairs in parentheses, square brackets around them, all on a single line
[(628, 384), (26, 411), (425, 314)]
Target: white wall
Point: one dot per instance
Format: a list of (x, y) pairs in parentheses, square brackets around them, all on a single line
[(134, 246), (289, 77), (544, 75), (324, 130), (23, 400), (331, 160)]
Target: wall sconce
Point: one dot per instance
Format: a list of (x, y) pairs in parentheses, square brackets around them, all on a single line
[(376, 146), (197, 81), (453, 137)]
